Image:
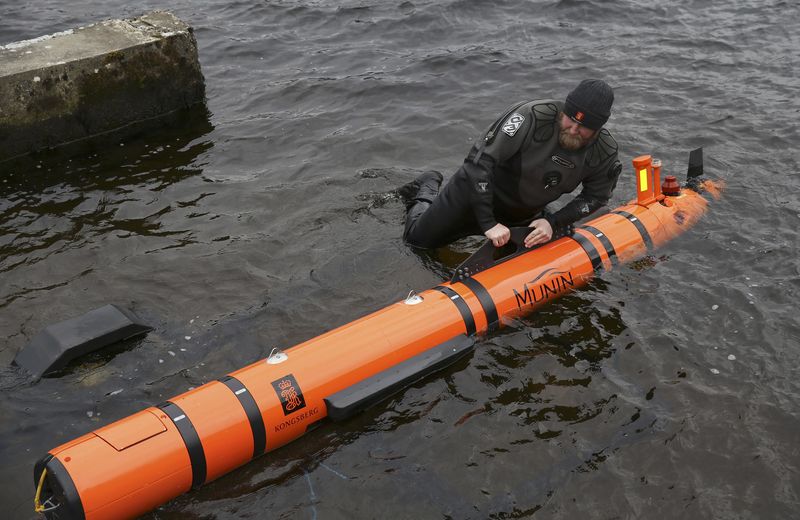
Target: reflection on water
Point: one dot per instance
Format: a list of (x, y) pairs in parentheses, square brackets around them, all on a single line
[(75, 196), (160, 150)]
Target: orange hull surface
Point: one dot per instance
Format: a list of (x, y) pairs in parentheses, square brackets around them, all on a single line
[(133, 465)]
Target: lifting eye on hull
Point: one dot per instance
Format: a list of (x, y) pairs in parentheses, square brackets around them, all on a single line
[(276, 357), (413, 298)]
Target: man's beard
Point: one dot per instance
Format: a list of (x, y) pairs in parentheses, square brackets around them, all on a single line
[(570, 142)]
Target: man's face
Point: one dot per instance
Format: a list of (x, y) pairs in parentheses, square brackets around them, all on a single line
[(573, 136)]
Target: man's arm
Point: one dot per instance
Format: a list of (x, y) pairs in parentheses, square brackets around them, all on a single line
[(499, 143), (596, 193), (597, 187), (479, 174)]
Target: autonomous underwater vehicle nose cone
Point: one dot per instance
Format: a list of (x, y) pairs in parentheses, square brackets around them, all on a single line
[(131, 466)]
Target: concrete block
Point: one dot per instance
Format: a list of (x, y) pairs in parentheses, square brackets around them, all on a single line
[(80, 83)]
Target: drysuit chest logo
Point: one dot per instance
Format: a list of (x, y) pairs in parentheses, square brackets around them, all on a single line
[(482, 187), (289, 393), (566, 163), (512, 124)]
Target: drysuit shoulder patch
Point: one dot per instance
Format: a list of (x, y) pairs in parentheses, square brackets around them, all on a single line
[(544, 115), (513, 123), (602, 149)]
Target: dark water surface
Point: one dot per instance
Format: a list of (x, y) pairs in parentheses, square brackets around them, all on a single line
[(668, 389)]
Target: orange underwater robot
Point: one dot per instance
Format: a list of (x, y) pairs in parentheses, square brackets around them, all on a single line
[(136, 464)]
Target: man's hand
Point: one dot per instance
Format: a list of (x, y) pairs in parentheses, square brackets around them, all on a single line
[(499, 235), (542, 232)]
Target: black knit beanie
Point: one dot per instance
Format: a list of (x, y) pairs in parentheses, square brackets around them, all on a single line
[(590, 103)]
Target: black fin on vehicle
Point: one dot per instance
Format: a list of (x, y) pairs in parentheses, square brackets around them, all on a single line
[(352, 400), (695, 164)]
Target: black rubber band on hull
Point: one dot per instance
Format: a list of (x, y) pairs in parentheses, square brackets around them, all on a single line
[(197, 456), (461, 305), (591, 251), (485, 300), (599, 235), (253, 413), (639, 226)]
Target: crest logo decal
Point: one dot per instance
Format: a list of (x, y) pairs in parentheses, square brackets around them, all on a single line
[(289, 393)]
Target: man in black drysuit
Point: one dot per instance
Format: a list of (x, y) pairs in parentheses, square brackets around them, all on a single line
[(535, 152)]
